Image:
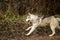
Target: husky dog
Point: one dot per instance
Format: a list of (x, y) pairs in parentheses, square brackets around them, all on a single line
[(40, 21)]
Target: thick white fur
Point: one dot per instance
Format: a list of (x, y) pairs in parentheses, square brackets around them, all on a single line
[(36, 21)]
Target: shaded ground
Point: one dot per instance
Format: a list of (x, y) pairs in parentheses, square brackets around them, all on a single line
[(16, 31)]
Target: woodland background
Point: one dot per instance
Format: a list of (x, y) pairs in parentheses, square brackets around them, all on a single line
[(13, 14)]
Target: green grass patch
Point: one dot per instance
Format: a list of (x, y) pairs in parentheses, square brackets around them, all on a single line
[(23, 17)]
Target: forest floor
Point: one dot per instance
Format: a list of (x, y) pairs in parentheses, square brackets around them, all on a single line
[(16, 31)]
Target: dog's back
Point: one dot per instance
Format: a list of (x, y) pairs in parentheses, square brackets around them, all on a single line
[(45, 21)]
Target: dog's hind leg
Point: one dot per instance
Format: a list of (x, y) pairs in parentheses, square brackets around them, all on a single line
[(53, 30)]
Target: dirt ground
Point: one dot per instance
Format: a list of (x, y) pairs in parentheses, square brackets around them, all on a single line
[(16, 31)]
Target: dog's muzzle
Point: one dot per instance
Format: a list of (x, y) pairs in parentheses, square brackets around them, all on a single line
[(30, 23), (27, 20)]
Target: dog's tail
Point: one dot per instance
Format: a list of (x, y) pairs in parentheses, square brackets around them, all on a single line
[(58, 19)]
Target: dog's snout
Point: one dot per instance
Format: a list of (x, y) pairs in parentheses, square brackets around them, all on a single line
[(28, 20)]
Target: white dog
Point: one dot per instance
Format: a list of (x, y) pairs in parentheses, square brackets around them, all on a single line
[(40, 21)]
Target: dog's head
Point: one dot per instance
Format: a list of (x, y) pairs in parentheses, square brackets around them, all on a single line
[(28, 19), (31, 17)]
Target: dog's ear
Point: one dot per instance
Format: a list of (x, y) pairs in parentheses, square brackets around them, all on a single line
[(29, 13)]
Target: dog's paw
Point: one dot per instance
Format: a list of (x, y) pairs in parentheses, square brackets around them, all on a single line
[(27, 34), (26, 29), (50, 35)]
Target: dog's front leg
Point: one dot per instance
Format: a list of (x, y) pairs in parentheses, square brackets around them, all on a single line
[(32, 29), (28, 28)]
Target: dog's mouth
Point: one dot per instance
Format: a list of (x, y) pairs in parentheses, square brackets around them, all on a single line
[(28, 21)]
